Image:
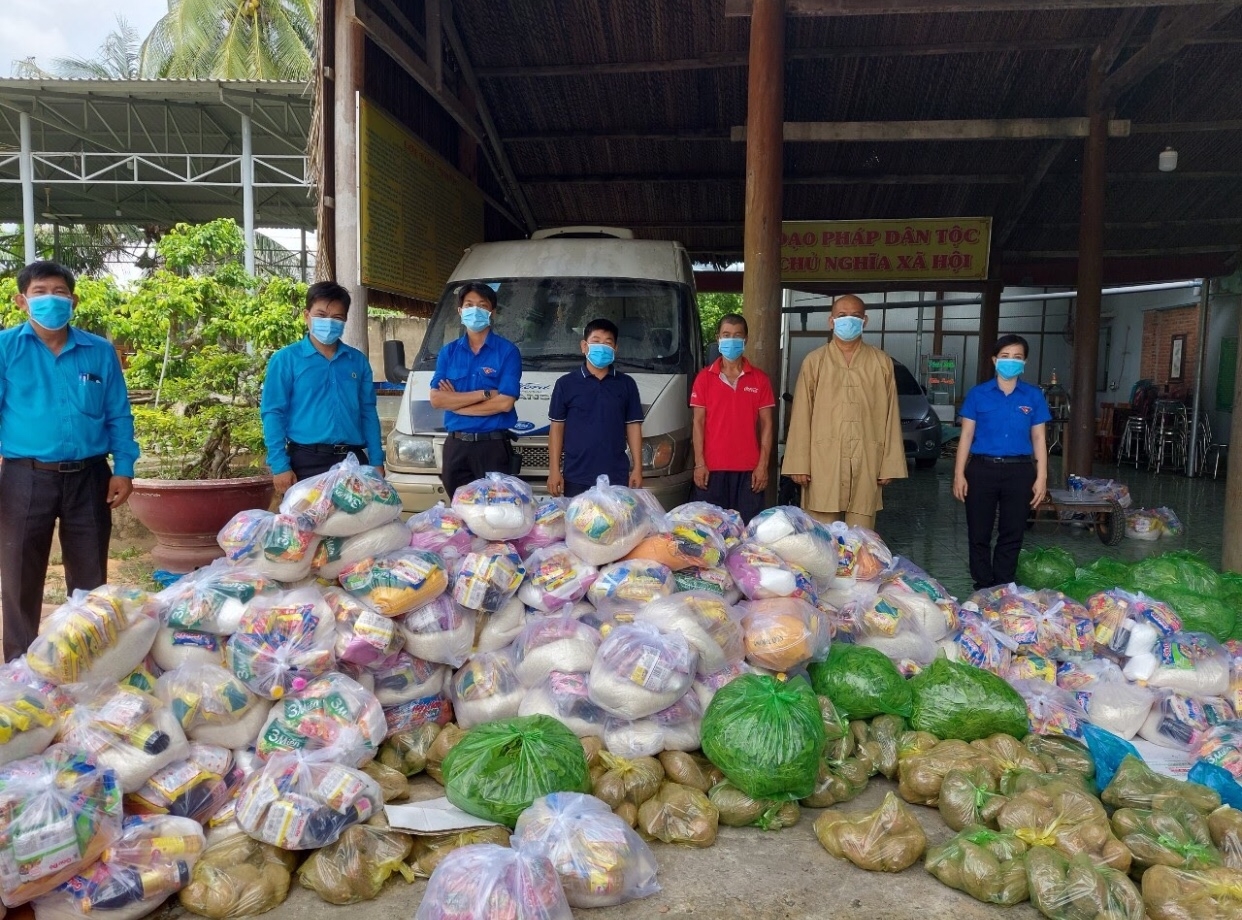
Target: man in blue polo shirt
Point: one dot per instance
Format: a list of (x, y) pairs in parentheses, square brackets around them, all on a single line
[(63, 410), (319, 397), (478, 380), (594, 414), (1002, 462)]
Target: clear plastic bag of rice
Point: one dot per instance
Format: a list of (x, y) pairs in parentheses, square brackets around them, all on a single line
[(488, 579), (363, 636), (640, 670), (496, 507), (396, 583), (440, 631), (676, 728), (486, 688), (213, 705), (440, 530), (335, 554), (550, 644), (563, 695), (555, 578), (712, 626), (548, 529), (606, 522), (94, 637), (278, 546), (624, 587), (332, 712), (284, 641), (797, 538), (212, 599), (347, 500)]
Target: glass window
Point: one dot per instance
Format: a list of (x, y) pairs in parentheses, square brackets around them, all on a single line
[(544, 318), (906, 384)]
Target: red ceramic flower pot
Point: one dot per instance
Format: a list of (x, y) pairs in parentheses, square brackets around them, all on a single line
[(186, 515)]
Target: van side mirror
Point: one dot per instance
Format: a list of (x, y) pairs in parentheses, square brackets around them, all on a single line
[(395, 370)]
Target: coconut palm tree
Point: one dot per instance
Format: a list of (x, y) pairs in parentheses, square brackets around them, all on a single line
[(117, 59), (233, 40)]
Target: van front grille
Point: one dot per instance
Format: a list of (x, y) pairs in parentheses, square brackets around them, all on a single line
[(534, 457)]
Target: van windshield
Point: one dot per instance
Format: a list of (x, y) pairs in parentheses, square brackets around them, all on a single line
[(544, 318)]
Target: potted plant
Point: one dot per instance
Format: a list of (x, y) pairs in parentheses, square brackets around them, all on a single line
[(198, 332)]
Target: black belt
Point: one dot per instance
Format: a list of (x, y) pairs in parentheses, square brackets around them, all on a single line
[(987, 458), (59, 466), (336, 450), (479, 435)]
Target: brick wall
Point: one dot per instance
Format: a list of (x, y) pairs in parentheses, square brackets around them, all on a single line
[(1159, 327)]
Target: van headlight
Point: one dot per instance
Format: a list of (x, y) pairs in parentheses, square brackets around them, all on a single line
[(409, 451), (658, 453)]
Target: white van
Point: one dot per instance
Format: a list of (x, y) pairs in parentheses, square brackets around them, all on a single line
[(548, 288)]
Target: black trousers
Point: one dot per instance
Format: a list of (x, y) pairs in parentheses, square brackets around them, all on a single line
[(31, 503), (989, 486), (731, 490), (466, 461), (307, 463)]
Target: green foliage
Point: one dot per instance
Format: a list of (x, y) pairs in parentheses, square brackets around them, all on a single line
[(197, 333), (227, 40), (714, 306)]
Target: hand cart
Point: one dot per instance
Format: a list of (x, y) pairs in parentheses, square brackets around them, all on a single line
[(1105, 515)]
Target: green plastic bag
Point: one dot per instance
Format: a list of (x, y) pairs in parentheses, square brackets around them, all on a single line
[(1194, 574), (1114, 570), (1045, 568), (499, 768), (1153, 574), (955, 700), (862, 682), (1086, 584), (1200, 612), (766, 736)]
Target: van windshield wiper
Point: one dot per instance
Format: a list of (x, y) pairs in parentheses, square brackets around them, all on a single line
[(645, 365)]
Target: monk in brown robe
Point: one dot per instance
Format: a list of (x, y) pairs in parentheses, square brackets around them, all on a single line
[(844, 443)]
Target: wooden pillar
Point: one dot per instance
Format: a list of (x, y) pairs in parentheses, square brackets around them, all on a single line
[(765, 115), (347, 87), (1231, 550), (989, 328), (1080, 448)]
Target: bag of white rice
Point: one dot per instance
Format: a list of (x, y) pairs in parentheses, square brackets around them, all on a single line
[(555, 578), (862, 555), (95, 637), (640, 670), (440, 631), (726, 522), (347, 500), (798, 538), (496, 507), (624, 587), (486, 689), (124, 730), (212, 599), (675, 728), (335, 554), (212, 705), (711, 626), (487, 580), (498, 630), (405, 677), (550, 644), (28, 722), (363, 637), (333, 713), (1191, 663), (278, 546), (606, 522), (563, 696), (440, 530), (760, 573), (549, 527), (284, 641)]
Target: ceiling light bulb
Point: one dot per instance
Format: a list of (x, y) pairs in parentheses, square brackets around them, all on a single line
[(1168, 159)]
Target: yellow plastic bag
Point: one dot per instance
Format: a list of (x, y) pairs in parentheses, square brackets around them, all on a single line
[(1060, 816), (356, 867)]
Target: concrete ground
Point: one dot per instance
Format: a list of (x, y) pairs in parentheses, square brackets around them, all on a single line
[(748, 873)]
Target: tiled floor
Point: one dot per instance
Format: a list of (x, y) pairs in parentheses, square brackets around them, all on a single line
[(922, 521)]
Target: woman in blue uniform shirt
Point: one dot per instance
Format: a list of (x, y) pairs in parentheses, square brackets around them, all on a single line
[(1002, 461)]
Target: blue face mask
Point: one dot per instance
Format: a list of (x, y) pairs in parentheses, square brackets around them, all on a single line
[(847, 328), (327, 330), (476, 319), (1010, 367), (731, 349), (601, 355), (51, 311)]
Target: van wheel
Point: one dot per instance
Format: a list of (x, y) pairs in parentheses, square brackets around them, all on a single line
[(925, 463)]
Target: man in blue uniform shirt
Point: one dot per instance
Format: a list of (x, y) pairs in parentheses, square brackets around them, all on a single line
[(63, 410), (595, 414), (477, 382), (319, 396)]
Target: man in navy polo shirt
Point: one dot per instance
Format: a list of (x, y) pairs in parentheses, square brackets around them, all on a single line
[(595, 412), (733, 425), (478, 380), (1002, 462)]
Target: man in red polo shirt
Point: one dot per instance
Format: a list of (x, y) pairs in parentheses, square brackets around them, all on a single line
[(734, 423)]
